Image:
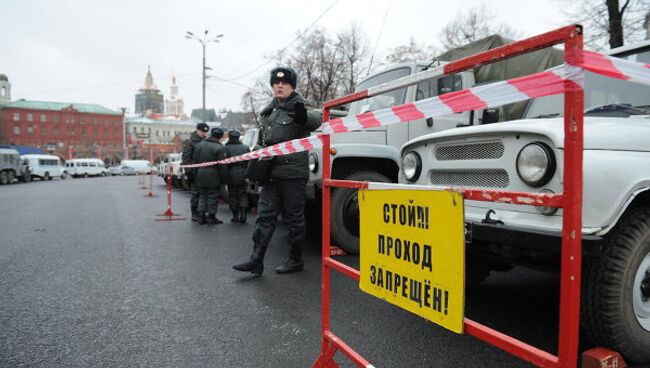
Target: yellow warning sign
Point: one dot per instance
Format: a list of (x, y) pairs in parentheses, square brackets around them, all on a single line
[(413, 252)]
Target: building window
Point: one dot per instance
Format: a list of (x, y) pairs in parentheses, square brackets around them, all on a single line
[(43, 130), (141, 129), (16, 116), (157, 133), (82, 121), (83, 132), (135, 129), (30, 130), (55, 118), (43, 118), (56, 131), (30, 117), (95, 132), (16, 130)]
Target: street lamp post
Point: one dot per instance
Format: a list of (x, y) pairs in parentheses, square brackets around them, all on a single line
[(203, 41)]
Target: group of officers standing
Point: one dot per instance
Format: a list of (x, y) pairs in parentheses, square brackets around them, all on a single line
[(283, 187)]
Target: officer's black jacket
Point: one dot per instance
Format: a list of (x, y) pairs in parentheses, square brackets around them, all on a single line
[(236, 170), (210, 149), (278, 125), (189, 146)]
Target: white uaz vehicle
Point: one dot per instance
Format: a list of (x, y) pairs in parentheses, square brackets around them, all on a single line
[(373, 154), (527, 156), (44, 167)]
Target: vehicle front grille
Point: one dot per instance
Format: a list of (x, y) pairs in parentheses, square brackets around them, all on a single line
[(469, 151), (484, 178)]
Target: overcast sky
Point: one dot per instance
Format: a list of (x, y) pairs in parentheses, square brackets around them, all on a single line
[(98, 51)]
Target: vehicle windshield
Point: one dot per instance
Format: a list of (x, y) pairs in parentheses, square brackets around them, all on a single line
[(384, 100), (602, 94)]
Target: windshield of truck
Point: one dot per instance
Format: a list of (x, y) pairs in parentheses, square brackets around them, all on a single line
[(603, 97), (384, 100)]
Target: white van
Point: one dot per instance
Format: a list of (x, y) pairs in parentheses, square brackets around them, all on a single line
[(44, 167), (140, 166), (85, 167)]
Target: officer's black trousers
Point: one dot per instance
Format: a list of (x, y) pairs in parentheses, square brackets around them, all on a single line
[(286, 197), (194, 195), (237, 197)]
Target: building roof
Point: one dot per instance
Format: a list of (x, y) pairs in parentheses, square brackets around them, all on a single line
[(58, 106), (3, 77)]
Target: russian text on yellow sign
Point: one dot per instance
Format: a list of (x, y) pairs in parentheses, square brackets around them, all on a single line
[(413, 252)]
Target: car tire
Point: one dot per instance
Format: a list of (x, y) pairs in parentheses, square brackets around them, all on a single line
[(11, 176), (85, 175), (4, 178), (26, 177), (616, 289), (46, 176), (344, 216)]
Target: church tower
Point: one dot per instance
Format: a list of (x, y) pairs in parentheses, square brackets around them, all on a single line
[(174, 106), (149, 99), (5, 89)]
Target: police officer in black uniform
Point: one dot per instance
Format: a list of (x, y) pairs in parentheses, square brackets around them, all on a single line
[(189, 146), (284, 119), (210, 178), (237, 194)]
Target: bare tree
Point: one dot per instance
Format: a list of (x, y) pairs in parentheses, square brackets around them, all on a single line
[(610, 22), (409, 52), (353, 47), (473, 25)]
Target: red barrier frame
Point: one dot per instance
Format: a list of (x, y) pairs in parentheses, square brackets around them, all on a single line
[(570, 200)]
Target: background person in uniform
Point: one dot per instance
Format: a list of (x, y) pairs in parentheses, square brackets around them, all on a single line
[(237, 191), (284, 119), (210, 178), (189, 146)]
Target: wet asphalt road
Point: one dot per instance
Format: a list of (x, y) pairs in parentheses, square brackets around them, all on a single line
[(89, 279)]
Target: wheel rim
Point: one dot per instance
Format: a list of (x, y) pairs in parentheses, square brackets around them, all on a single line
[(641, 293), (351, 214)]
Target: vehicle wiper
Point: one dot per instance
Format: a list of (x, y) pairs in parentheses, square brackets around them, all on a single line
[(618, 107), (545, 116)]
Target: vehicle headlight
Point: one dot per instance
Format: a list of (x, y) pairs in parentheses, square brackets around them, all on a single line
[(411, 166), (313, 162), (536, 164)]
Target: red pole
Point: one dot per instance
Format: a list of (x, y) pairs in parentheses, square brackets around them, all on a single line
[(571, 257), (169, 214), (150, 194)]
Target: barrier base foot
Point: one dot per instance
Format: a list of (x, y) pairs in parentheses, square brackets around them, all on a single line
[(602, 358), (325, 362), (150, 195), (170, 218), (168, 213)]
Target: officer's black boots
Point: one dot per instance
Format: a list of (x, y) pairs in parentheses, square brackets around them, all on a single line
[(242, 214), (235, 216), (291, 265), (195, 214), (256, 263), (202, 218), (213, 220)]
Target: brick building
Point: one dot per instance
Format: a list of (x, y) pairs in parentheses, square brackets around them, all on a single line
[(84, 130)]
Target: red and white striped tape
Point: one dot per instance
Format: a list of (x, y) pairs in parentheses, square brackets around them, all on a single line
[(616, 67), (490, 95)]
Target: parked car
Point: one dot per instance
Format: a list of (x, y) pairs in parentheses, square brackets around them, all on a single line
[(114, 170), (85, 167), (127, 170), (44, 167), (527, 156), (140, 166), (11, 167)]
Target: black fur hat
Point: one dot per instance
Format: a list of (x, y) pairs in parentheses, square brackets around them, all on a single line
[(216, 132), (284, 74), (234, 133), (203, 127)]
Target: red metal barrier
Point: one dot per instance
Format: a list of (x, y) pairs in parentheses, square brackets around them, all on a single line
[(570, 200), (169, 214)]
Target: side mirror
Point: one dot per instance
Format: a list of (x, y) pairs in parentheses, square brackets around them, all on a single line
[(490, 116)]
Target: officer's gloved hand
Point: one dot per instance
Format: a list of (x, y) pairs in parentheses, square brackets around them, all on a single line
[(301, 113)]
